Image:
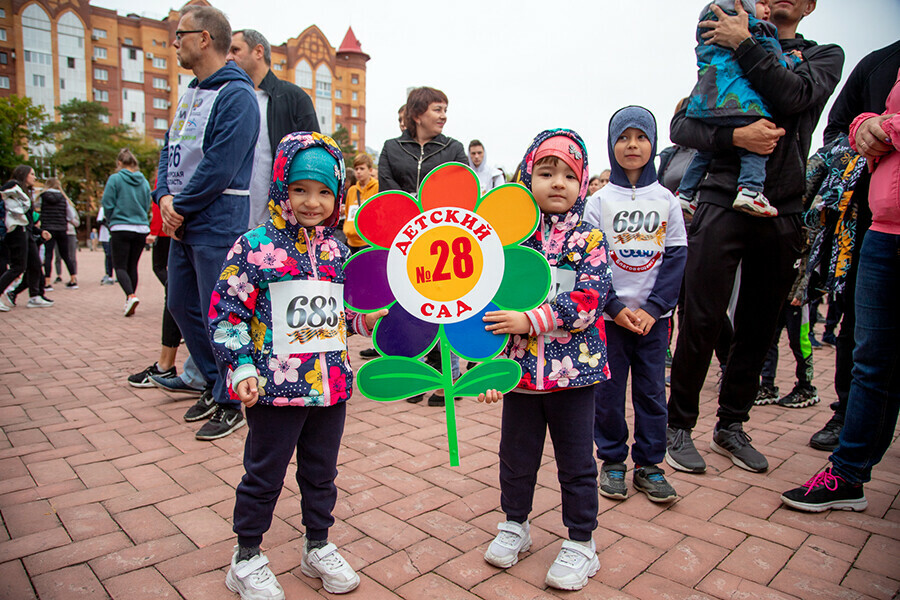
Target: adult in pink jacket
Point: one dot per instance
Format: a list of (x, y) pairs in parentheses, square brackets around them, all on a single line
[(875, 391)]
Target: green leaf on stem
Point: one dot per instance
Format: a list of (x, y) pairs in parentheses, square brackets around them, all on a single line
[(396, 377), (500, 374)]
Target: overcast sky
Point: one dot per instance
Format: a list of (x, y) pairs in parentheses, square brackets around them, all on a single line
[(512, 68)]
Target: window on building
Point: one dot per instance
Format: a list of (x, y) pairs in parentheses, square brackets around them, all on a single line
[(354, 79), (4, 83), (159, 83), (337, 111), (277, 67), (132, 54), (160, 142), (101, 74), (2, 13), (338, 95), (129, 42), (99, 52), (2, 35), (39, 80), (160, 124), (62, 84), (354, 112), (70, 62), (4, 59), (160, 103), (101, 96), (355, 96), (354, 129), (133, 117), (104, 118), (159, 63), (100, 34), (303, 75)]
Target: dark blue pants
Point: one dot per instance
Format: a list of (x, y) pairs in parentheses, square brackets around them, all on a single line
[(874, 400), (569, 416), (792, 319), (645, 357), (193, 271), (753, 166), (275, 433)]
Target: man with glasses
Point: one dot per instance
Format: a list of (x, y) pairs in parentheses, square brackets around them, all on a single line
[(203, 194)]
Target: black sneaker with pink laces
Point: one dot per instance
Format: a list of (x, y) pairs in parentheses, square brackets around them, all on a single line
[(826, 491)]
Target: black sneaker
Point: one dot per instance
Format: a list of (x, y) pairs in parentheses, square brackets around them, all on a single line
[(612, 481), (57, 280), (681, 453), (72, 285), (826, 491), (201, 409), (652, 481), (767, 394), (142, 379), (734, 443), (800, 398), (416, 399), (225, 420), (827, 438), (369, 353), (436, 399)]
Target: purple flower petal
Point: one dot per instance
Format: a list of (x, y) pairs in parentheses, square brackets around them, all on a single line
[(401, 334), (366, 284)]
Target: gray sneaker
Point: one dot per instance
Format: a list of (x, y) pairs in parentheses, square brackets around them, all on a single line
[(612, 481), (766, 394), (681, 453), (734, 443), (652, 481)]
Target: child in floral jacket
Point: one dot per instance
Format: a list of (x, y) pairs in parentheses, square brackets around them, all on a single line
[(561, 347), (277, 321)]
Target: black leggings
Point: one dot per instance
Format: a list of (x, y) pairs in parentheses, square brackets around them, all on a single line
[(23, 260), (171, 335), (126, 252), (60, 240)]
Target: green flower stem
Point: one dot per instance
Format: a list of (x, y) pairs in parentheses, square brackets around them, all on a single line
[(449, 404)]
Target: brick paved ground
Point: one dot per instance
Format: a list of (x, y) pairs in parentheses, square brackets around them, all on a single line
[(104, 493)]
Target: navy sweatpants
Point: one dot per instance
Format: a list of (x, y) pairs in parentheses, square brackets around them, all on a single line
[(569, 415), (275, 433), (193, 272), (645, 357)]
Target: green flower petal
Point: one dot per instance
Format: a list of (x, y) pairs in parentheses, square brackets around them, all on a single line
[(526, 280)]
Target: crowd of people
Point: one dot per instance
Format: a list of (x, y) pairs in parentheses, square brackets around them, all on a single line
[(740, 232)]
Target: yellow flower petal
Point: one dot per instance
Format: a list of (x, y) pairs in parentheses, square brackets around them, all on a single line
[(511, 211)]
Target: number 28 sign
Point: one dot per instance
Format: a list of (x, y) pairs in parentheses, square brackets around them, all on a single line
[(438, 262), (453, 262)]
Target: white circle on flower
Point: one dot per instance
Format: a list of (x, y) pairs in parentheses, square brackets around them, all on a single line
[(445, 265)]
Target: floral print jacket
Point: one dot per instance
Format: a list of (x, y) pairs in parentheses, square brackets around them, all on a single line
[(241, 306), (568, 348)]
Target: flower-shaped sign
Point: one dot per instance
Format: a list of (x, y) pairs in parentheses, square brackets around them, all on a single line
[(439, 263)]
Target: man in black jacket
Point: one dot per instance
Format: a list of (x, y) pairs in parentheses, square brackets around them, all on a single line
[(866, 90), (283, 109), (722, 238)]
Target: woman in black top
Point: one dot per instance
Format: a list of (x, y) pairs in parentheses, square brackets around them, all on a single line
[(53, 205)]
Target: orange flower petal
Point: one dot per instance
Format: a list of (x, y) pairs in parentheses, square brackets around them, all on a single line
[(511, 211), (452, 184)]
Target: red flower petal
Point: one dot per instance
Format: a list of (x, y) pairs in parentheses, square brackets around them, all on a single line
[(451, 184), (380, 219)]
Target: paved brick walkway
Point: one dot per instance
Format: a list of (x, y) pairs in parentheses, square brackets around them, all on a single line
[(104, 493)]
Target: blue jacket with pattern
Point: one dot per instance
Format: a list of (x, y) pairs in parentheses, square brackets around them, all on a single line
[(567, 344), (241, 305)]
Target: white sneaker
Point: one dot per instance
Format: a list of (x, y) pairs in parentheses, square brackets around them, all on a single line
[(38, 302), (327, 564), (253, 579), (6, 301), (754, 203), (4, 307), (688, 204), (512, 539), (574, 564), (131, 305)]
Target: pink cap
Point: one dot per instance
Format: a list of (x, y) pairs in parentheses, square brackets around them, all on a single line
[(564, 148)]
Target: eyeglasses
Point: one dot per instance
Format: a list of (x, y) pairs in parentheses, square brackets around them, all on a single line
[(181, 33)]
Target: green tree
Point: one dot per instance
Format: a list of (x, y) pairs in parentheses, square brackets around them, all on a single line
[(86, 150), (341, 137), (20, 120)]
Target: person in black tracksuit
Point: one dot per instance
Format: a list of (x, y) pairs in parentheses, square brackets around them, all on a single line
[(866, 90), (721, 238), (54, 212)]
